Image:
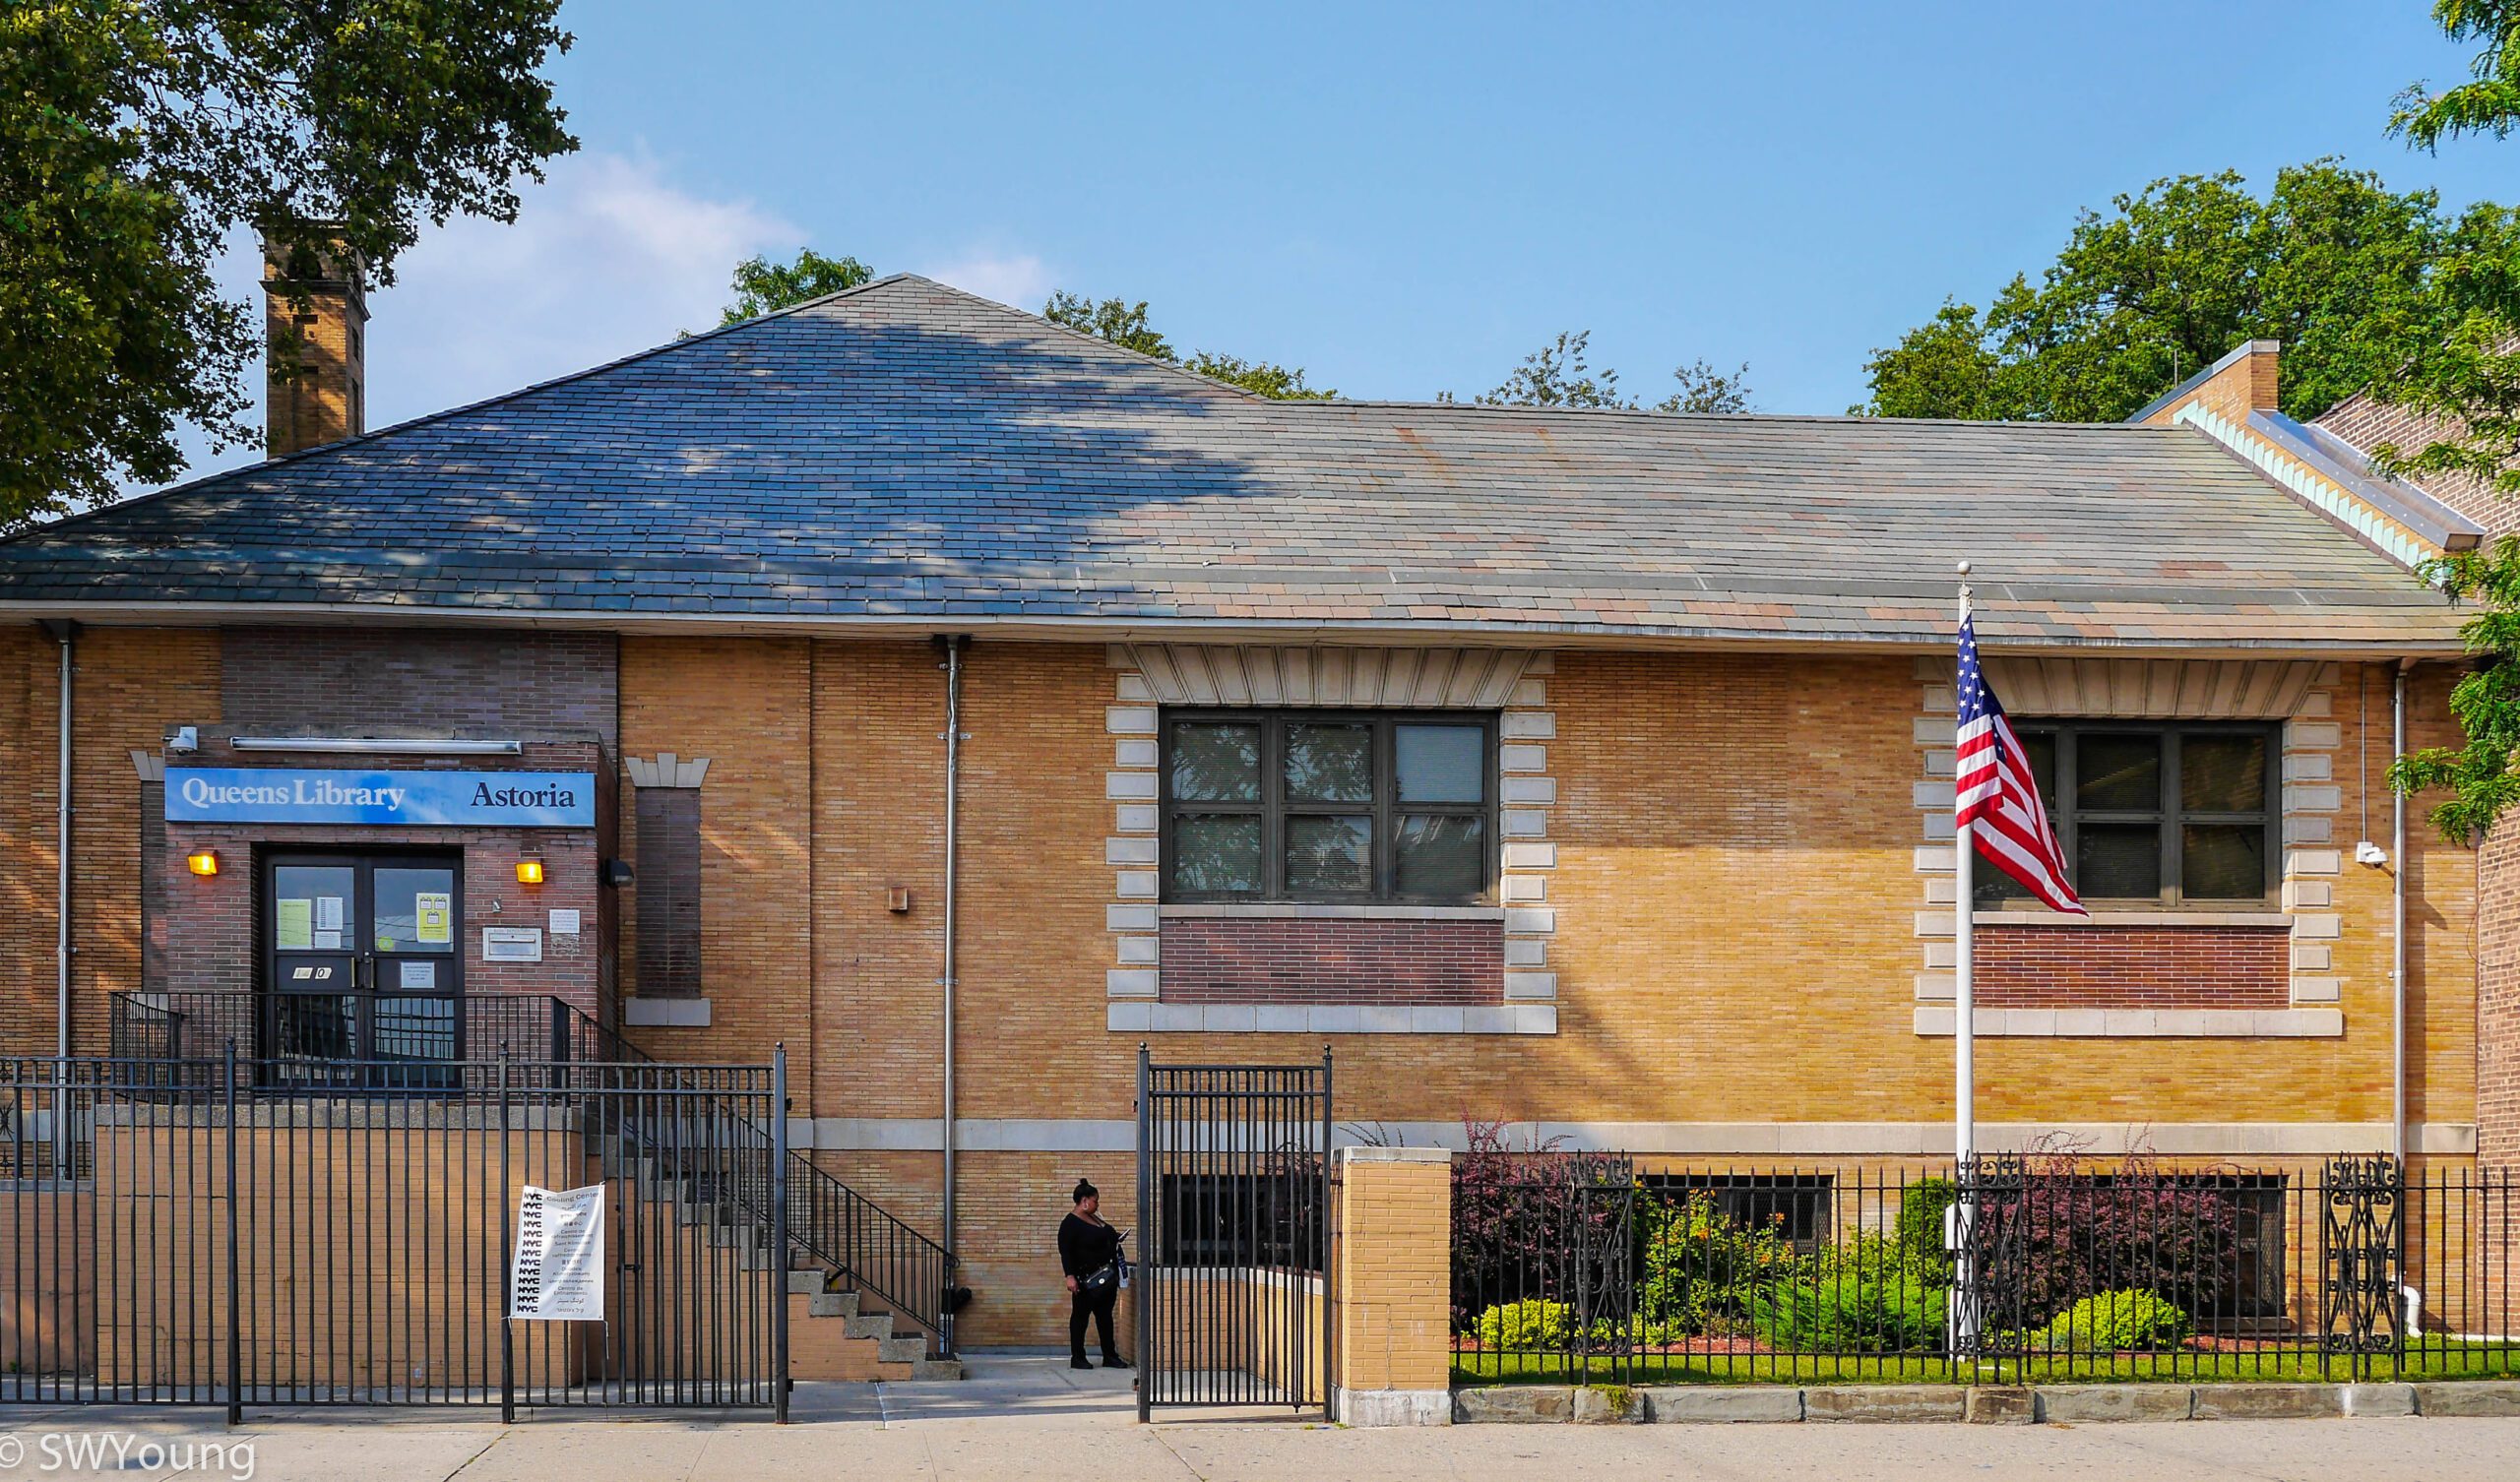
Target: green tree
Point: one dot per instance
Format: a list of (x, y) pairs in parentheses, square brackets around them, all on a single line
[(1560, 374), (2331, 261), (2467, 378), (1127, 325), (2489, 103), (762, 286), (136, 135)]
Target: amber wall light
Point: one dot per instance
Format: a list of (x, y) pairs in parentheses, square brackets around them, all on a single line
[(202, 861), (529, 872)]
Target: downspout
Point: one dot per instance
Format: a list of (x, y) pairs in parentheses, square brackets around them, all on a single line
[(67, 634), (2397, 909), (952, 643), (2411, 1299)]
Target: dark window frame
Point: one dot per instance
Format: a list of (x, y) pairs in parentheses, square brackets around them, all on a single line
[(1273, 808), (1997, 890), (1801, 1208)]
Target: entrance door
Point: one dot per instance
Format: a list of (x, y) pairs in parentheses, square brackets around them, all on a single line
[(360, 957)]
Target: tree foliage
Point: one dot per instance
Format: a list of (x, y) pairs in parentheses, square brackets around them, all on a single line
[(2332, 262), (2488, 104), (135, 135), (1127, 325), (762, 286), (1560, 374), (2467, 379)]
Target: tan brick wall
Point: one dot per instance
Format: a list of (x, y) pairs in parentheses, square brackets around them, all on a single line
[(25, 853), (1695, 795), (743, 704), (128, 682), (879, 788)]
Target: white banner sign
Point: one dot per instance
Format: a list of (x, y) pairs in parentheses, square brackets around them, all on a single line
[(558, 1274)]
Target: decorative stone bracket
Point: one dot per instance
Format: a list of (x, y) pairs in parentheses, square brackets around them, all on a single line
[(667, 771)]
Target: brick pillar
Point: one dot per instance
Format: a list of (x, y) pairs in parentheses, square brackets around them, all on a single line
[(2497, 1212), (1394, 1364), (2498, 1000)]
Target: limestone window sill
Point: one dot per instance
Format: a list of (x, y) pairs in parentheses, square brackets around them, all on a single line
[(1145, 1018), (1313, 910), (2103, 916), (2137, 1023)]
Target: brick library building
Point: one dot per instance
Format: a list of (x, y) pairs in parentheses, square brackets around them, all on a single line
[(959, 702)]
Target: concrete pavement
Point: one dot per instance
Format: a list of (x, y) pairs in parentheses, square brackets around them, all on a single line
[(1022, 1419)]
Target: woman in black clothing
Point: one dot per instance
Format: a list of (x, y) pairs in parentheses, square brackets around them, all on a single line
[(1087, 1247)]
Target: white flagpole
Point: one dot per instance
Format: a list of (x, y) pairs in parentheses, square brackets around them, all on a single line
[(1964, 1316), (1964, 994)]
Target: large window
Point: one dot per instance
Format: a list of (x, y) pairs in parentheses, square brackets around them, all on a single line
[(2163, 815), (1304, 805)]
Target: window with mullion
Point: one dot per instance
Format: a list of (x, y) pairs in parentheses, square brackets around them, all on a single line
[(1358, 807), (2167, 814)]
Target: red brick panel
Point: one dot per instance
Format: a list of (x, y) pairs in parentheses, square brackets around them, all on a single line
[(1278, 959), (2134, 966)]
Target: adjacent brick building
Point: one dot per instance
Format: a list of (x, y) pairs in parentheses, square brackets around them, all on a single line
[(1584, 770)]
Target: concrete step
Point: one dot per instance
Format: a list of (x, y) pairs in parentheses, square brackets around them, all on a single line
[(944, 1368), (909, 1350), (870, 1324), (832, 1305), (808, 1280)]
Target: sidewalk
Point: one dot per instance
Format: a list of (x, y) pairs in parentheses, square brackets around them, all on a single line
[(1034, 1420)]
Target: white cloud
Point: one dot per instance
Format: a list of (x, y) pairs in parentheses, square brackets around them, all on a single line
[(607, 258), (1020, 279)]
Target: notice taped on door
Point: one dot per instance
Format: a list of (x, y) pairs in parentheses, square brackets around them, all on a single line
[(558, 1272)]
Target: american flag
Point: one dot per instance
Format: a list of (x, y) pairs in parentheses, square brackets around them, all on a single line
[(1999, 794)]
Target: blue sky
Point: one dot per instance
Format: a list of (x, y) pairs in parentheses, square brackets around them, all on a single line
[(1399, 199)]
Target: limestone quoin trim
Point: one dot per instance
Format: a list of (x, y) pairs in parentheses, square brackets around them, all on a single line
[(1512, 682)]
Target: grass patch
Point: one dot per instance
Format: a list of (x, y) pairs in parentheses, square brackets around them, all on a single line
[(2436, 1361)]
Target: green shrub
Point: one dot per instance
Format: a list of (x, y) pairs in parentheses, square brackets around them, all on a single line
[(1703, 1271), (2110, 1322), (1919, 1230), (1880, 1307), (1525, 1325)]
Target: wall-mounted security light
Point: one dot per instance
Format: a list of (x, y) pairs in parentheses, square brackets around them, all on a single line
[(529, 872), (202, 861), (185, 739), (617, 873), (2369, 853), (385, 746)]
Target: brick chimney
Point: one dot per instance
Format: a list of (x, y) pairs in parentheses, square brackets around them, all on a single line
[(315, 363), (2241, 382)]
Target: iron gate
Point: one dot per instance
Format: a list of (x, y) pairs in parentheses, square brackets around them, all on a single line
[(217, 1232), (1234, 1285)]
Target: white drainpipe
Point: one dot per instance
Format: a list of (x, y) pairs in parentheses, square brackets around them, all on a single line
[(2397, 908), (954, 645), (66, 633)]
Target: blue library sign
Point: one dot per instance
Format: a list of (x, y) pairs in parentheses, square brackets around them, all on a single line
[(459, 799)]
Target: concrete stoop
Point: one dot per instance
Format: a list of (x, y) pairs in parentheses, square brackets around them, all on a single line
[(1984, 1404), (839, 1335)]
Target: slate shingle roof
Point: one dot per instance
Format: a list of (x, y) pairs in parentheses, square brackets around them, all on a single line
[(909, 452)]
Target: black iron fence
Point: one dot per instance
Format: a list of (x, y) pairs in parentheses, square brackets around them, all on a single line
[(292, 1036), (1583, 1268), (415, 1044), (173, 1231)]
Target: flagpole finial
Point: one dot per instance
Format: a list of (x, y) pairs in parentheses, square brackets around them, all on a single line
[(1964, 568)]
